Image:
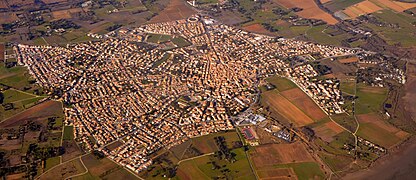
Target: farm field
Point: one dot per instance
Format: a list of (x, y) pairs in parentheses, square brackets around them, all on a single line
[(361, 8), (310, 10), (256, 28), (288, 161), (175, 10), (328, 131), (377, 130), (336, 5), (270, 154), (200, 168), (280, 105), (394, 5), (304, 103)]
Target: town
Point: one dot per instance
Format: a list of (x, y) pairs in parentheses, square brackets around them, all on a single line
[(150, 98)]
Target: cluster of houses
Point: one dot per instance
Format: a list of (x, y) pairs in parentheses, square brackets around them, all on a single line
[(118, 90)]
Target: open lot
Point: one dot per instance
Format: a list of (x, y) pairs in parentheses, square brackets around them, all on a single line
[(310, 10), (377, 130), (280, 105)]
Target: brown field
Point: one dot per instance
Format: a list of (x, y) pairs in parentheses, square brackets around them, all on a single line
[(324, 1), (10, 145), (272, 154), (329, 76), (256, 28), (20, 2), (15, 176), (65, 14), (327, 131), (375, 129), (397, 6), (349, 60), (37, 112), (3, 5), (364, 7), (2, 49), (62, 14), (176, 10), (53, 1), (304, 103), (7, 17), (71, 150), (310, 10), (282, 106), (280, 173), (97, 167)]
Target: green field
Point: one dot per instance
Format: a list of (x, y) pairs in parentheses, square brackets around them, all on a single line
[(68, 133), (377, 135), (207, 1), (158, 38), (336, 5), (206, 144), (403, 34), (281, 83), (336, 162), (51, 162), (200, 168), (370, 99), (347, 87), (317, 34), (304, 170), (345, 121), (180, 42), (12, 95)]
